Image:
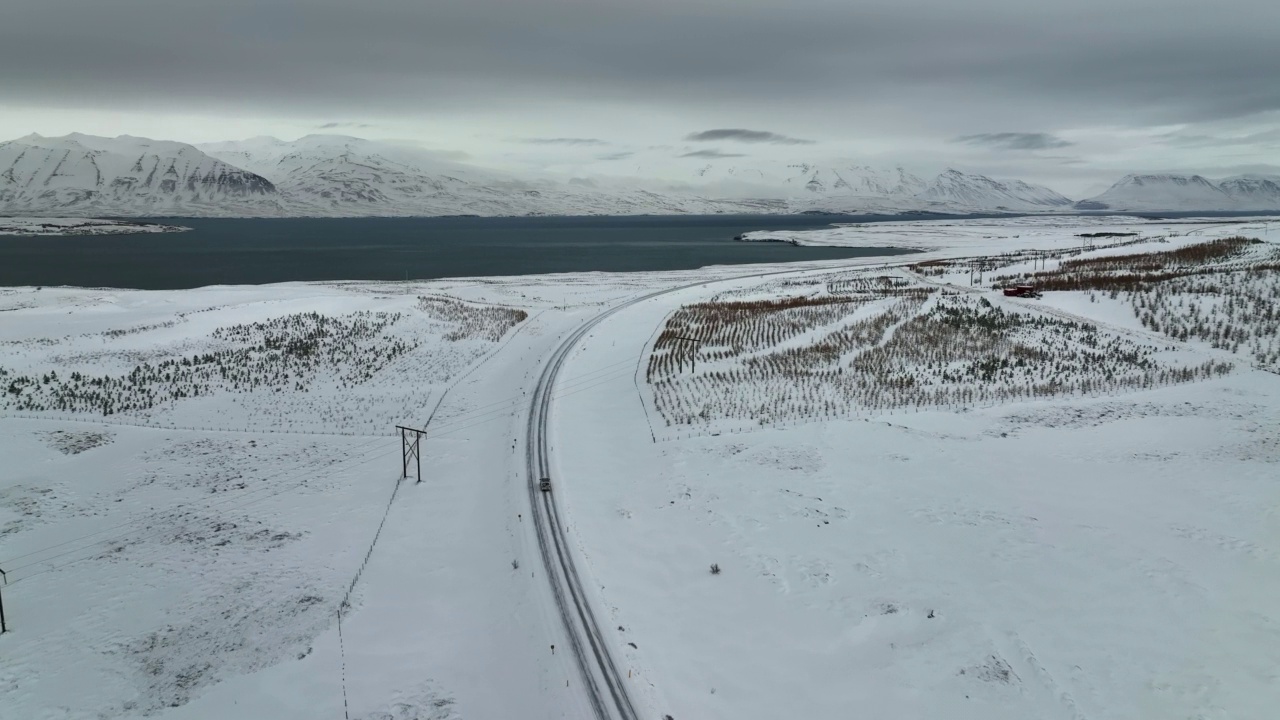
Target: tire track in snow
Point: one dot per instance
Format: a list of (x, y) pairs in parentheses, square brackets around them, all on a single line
[(591, 653)]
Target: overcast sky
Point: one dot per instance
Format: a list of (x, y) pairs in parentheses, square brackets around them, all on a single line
[(1069, 94)]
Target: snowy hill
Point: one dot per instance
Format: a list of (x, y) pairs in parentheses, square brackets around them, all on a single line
[(979, 192), (330, 173), (1188, 192), (1253, 192), (81, 174)]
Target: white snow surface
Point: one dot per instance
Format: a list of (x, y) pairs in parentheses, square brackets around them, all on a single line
[(51, 227), (960, 237), (1115, 556)]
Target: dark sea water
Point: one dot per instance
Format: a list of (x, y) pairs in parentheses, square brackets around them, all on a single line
[(250, 251)]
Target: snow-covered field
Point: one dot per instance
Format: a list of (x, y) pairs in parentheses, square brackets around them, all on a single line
[(905, 525), (53, 226), (993, 236)]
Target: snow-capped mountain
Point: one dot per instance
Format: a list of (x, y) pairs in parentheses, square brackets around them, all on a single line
[(324, 174), (83, 175), (1253, 192), (339, 175), (1188, 192), (335, 176), (803, 180), (858, 188), (1159, 192), (979, 192), (864, 180)]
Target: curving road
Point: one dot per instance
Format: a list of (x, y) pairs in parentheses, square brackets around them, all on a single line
[(605, 687)]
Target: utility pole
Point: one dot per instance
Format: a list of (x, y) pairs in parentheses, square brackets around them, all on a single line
[(696, 343), (410, 449), (3, 628)]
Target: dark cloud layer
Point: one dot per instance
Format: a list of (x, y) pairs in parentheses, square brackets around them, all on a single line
[(1266, 139), (890, 80), (1133, 62), (747, 136), (563, 141), (711, 154), (1015, 141)]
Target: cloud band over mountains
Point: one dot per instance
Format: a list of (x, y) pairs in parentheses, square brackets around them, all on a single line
[(1015, 140), (746, 136)]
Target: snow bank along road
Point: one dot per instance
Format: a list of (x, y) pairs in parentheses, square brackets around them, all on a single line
[(604, 684), (600, 676)]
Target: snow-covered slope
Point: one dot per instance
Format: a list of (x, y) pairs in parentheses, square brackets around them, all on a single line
[(1187, 192), (980, 192), (335, 175), (1253, 192), (848, 187), (804, 180), (82, 174), (340, 175), (325, 173)]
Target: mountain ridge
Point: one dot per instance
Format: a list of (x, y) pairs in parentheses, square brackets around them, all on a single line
[(1187, 191), (84, 174), (322, 175)]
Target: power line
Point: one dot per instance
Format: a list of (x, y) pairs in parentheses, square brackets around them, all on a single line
[(236, 504), (453, 422), (580, 383)]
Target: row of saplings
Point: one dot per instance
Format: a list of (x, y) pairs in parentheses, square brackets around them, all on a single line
[(961, 352)]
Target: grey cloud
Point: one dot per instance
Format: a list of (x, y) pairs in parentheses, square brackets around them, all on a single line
[(451, 155), (711, 154), (335, 125), (615, 156), (748, 136), (1015, 141), (431, 150), (563, 141), (1267, 138), (1243, 169), (892, 72)]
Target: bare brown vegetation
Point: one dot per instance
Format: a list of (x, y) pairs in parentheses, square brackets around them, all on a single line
[(284, 353), (816, 357), (1129, 272), (485, 322)]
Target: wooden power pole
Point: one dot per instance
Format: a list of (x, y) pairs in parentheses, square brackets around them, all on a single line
[(694, 358)]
